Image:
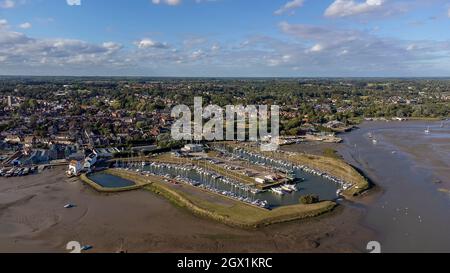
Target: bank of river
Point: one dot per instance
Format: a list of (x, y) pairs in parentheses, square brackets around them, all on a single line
[(409, 207), (412, 168)]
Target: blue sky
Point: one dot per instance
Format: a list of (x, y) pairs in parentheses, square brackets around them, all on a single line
[(266, 38)]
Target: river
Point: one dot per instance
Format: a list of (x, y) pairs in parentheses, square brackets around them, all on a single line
[(412, 168)]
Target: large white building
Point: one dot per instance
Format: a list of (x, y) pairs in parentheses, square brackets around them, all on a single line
[(74, 168), (193, 148)]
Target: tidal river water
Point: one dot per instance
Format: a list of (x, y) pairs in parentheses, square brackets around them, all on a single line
[(410, 162)]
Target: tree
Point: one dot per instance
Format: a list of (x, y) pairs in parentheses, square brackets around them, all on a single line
[(309, 199)]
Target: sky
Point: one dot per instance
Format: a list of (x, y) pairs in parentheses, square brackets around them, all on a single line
[(226, 38)]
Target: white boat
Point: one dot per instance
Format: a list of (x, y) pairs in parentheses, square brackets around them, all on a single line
[(255, 191), (278, 191), (286, 188), (69, 206), (289, 188), (374, 141), (427, 131)]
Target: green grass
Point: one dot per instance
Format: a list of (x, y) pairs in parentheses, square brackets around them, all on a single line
[(329, 152)]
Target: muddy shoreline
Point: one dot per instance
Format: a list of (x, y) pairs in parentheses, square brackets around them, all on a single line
[(410, 213), (32, 219)]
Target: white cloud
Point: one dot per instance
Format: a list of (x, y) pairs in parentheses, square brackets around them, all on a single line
[(344, 8), (3, 24), (178, 2), (18, 50), (348, 52), (74, 2), (149, 43), (290, 6), (197, 54), (25, 25), (310, 50), (167, 2), (7, 4), (215, 47), (112, 46), (316, 48), (448, 13)]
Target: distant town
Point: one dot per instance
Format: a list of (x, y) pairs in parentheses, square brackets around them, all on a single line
[(59, 120)]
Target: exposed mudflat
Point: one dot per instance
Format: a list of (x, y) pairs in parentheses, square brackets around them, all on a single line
[(32, 219)]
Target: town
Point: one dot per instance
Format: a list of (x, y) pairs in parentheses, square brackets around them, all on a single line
[(55, 121)]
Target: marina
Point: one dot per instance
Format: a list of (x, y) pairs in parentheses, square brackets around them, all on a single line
[(305, 180), (282, 183), (198, 177)]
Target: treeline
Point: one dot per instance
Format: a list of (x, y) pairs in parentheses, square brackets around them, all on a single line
[(346, 99)]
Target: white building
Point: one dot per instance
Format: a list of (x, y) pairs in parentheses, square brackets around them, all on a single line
[(270, 178), (260, 180), (193, 148), (74, 168)]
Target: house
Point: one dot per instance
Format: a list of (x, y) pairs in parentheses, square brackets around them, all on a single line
[(29, 141), (144, 149), (13, 139), (260, 180), (106, 152), (63, 139), (334, 124), (79, 155), (74, 168), (270, 178)]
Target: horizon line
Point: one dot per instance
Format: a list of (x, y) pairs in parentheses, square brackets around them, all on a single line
[(228, 77)]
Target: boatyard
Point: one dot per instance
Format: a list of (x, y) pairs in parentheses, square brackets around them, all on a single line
[(240, 175)]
